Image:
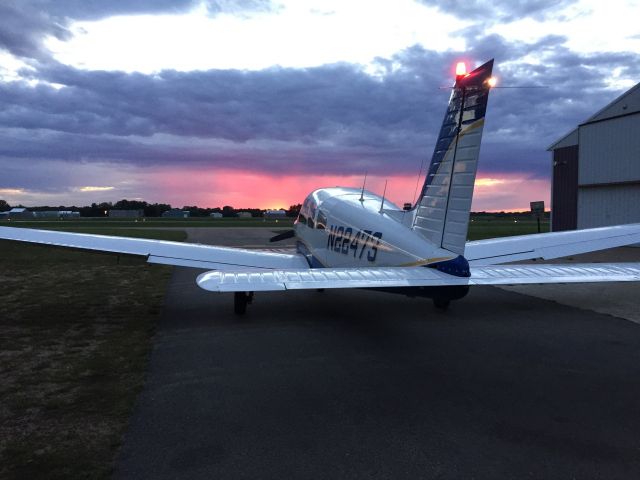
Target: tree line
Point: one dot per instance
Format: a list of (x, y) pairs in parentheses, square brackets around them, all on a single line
[(149, 209)]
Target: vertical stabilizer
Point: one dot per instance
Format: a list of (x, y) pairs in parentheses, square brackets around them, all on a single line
[(442, 210)]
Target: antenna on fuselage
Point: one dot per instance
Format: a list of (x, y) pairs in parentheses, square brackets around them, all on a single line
[(363, 184), (384, 192)]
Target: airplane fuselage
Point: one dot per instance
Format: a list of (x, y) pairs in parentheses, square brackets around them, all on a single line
[(345, 227)]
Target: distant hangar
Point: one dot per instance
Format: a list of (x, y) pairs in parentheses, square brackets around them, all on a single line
[(596, 168)]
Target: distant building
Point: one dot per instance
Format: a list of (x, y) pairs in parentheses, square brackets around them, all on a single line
[(46, 214), (245, 214), (176, 213), (596, 168), (275, 214), (215, 215), (68, 214), (56, 214), (19, 212), (126, 213)]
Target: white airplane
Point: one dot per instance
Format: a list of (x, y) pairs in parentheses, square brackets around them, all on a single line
[(352, 238)]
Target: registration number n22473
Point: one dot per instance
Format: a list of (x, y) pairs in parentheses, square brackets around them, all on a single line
[(348, 241)]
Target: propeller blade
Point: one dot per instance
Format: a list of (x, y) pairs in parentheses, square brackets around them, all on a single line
[(283, 236)]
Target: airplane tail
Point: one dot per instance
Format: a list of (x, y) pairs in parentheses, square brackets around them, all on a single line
[(442, 210)]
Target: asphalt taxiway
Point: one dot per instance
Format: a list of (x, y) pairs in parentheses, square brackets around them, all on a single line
[(360, 384)]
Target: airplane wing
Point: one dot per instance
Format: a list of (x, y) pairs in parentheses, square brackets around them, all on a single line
[(415, 277), (550, 245), (161, 251)]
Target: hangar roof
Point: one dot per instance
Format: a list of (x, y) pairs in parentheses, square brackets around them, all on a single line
[(626, 104), (568, 140)]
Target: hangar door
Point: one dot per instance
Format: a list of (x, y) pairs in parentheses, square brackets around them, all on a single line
[(564, 194)]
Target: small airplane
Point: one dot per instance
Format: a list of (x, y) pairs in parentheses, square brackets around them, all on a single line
[(353, 238)]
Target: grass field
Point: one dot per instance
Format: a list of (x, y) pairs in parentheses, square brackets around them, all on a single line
[(484, 226), (74, 341), (480, 227)]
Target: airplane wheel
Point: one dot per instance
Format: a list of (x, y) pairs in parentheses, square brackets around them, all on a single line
[(441, 304), (240, 301)]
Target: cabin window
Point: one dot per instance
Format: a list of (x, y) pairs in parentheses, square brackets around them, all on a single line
[(308, 212)]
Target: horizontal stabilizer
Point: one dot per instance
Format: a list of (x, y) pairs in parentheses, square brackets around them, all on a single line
[(550, 245), (415, 277)]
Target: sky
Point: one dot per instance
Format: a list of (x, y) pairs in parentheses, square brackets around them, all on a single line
[(254, 103)]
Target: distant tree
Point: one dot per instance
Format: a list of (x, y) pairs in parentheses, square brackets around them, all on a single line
[(156, 209), (4, 206), (130, 205), (103, 209), (228, 211), (255, 212), (294, 210), (90, 211)]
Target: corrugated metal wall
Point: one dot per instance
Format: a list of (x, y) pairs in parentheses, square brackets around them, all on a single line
[(608, 205), (610, 151), (564, 194)]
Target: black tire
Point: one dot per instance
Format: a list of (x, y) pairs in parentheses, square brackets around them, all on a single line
[(239, 303), (441, 304)]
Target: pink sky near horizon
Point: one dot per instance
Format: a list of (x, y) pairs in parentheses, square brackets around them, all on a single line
[(495, 192)]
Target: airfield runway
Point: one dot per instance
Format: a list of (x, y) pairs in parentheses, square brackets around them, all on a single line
[(359, 384)]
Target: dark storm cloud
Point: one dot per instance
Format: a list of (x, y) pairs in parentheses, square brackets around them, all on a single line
[(308, 105), (24, 28), (494, 10), (496, 46)]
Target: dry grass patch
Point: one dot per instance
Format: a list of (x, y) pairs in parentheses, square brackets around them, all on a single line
[(75, 331)]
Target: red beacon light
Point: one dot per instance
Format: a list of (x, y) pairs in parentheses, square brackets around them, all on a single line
[(461, 70)]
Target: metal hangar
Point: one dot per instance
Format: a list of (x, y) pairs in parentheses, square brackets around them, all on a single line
[(596, 168)]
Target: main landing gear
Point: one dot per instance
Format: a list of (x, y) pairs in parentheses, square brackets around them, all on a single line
[(240, 302)]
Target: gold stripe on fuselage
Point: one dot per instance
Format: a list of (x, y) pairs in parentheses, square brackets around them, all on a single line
[(426, 261)]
